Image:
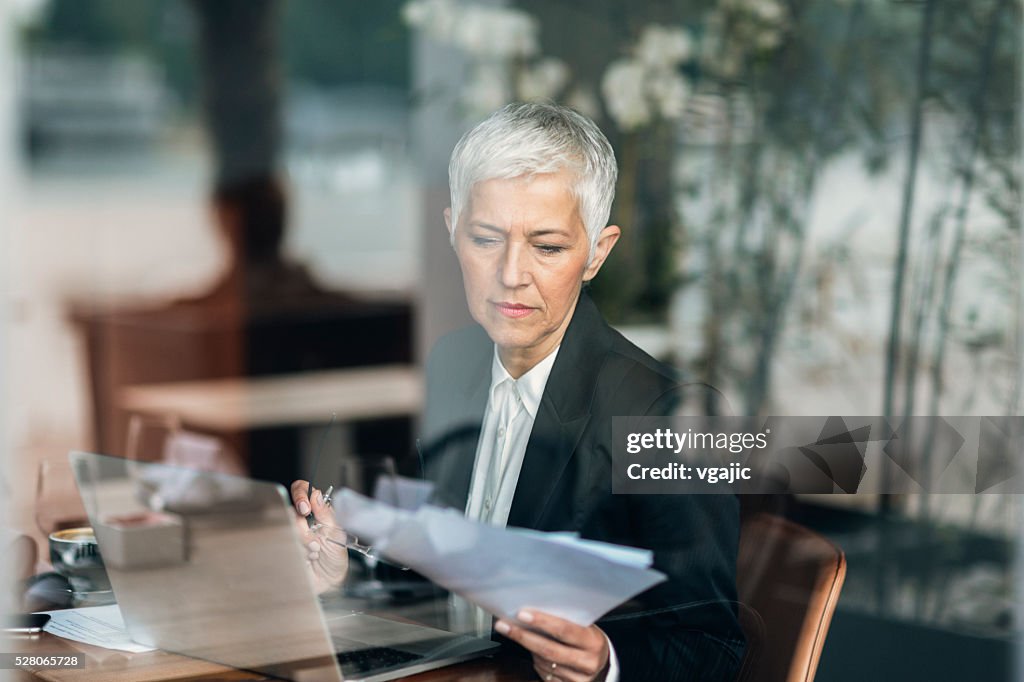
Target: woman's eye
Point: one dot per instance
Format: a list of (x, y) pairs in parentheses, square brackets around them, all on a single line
[(484, 241), (550, 249)]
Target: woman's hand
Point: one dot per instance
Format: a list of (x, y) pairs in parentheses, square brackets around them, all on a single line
[(562, 650), (327, 560)]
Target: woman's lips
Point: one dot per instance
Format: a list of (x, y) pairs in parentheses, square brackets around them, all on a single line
[(513, 310)]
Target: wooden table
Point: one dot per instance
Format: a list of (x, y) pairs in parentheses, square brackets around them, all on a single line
[(104, 665), (230, 405)]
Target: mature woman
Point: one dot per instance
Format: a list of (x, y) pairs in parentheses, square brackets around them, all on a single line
[(519, 410)]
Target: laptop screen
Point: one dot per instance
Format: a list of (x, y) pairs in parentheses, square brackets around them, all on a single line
[(207, 565)]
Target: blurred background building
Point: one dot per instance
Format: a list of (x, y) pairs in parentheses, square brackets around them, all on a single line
[(820, 202)]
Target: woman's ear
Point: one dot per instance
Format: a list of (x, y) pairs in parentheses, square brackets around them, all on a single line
[(605, 243)]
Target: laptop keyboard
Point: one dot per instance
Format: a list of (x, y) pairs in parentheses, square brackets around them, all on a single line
[(374, 659)]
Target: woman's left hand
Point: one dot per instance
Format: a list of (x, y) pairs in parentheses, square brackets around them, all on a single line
[(562, 650)]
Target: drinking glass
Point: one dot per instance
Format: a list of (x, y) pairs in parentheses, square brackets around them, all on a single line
[(162, 438), (148, 436), (58, 506)]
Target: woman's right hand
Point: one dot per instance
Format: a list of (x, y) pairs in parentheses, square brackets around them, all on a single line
[(328, 560)]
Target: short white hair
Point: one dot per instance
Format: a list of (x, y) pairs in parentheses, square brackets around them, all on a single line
[(525, 139)]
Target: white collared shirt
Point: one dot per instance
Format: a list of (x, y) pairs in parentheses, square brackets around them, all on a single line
[(512, 406)]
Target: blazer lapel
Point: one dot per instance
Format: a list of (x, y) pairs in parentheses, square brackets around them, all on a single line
[(563, 415), (551, 446)]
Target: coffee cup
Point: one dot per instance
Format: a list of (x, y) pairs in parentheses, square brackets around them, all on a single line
[(75, 555)]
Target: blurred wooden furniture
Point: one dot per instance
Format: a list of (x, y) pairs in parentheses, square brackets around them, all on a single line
[(223, 339), (132, 346), (235, 404), (180, 343), (788, 579)]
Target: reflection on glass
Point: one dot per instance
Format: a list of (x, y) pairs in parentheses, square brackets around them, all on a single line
[(376, 474), (71, 543), (58, 505), (217, 575), (149, 436), (162, 438)]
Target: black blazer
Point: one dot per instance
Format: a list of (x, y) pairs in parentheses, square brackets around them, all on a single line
[(685, 628)]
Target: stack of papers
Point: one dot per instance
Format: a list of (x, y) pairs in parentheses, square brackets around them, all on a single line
[(101, 626), (502, 569)]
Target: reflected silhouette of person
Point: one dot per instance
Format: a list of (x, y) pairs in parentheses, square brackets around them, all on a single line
[(251, 217)]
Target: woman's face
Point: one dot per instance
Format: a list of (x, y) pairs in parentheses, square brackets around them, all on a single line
[(524, 252)]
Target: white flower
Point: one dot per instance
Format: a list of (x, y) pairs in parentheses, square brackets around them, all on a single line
[(623, 88), (436, 18), (768, 10), (544, 80), (486, 89), (415, 13), (471, 30), (495, 32), (758, 12), (584, 101), (669, 92), (522, 32), (664, 46), (480, 30), (767, 39)]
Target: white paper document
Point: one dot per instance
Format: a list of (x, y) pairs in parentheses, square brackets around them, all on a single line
[(403, 492), (502, 569), (100, 626)]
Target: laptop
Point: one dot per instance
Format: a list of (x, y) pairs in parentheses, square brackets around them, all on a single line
[(211, 566)]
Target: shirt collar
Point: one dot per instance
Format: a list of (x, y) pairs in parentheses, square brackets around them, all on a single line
[(530, 385)]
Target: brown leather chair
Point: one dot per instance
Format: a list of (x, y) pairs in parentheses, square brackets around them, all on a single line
[(788, 578)]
